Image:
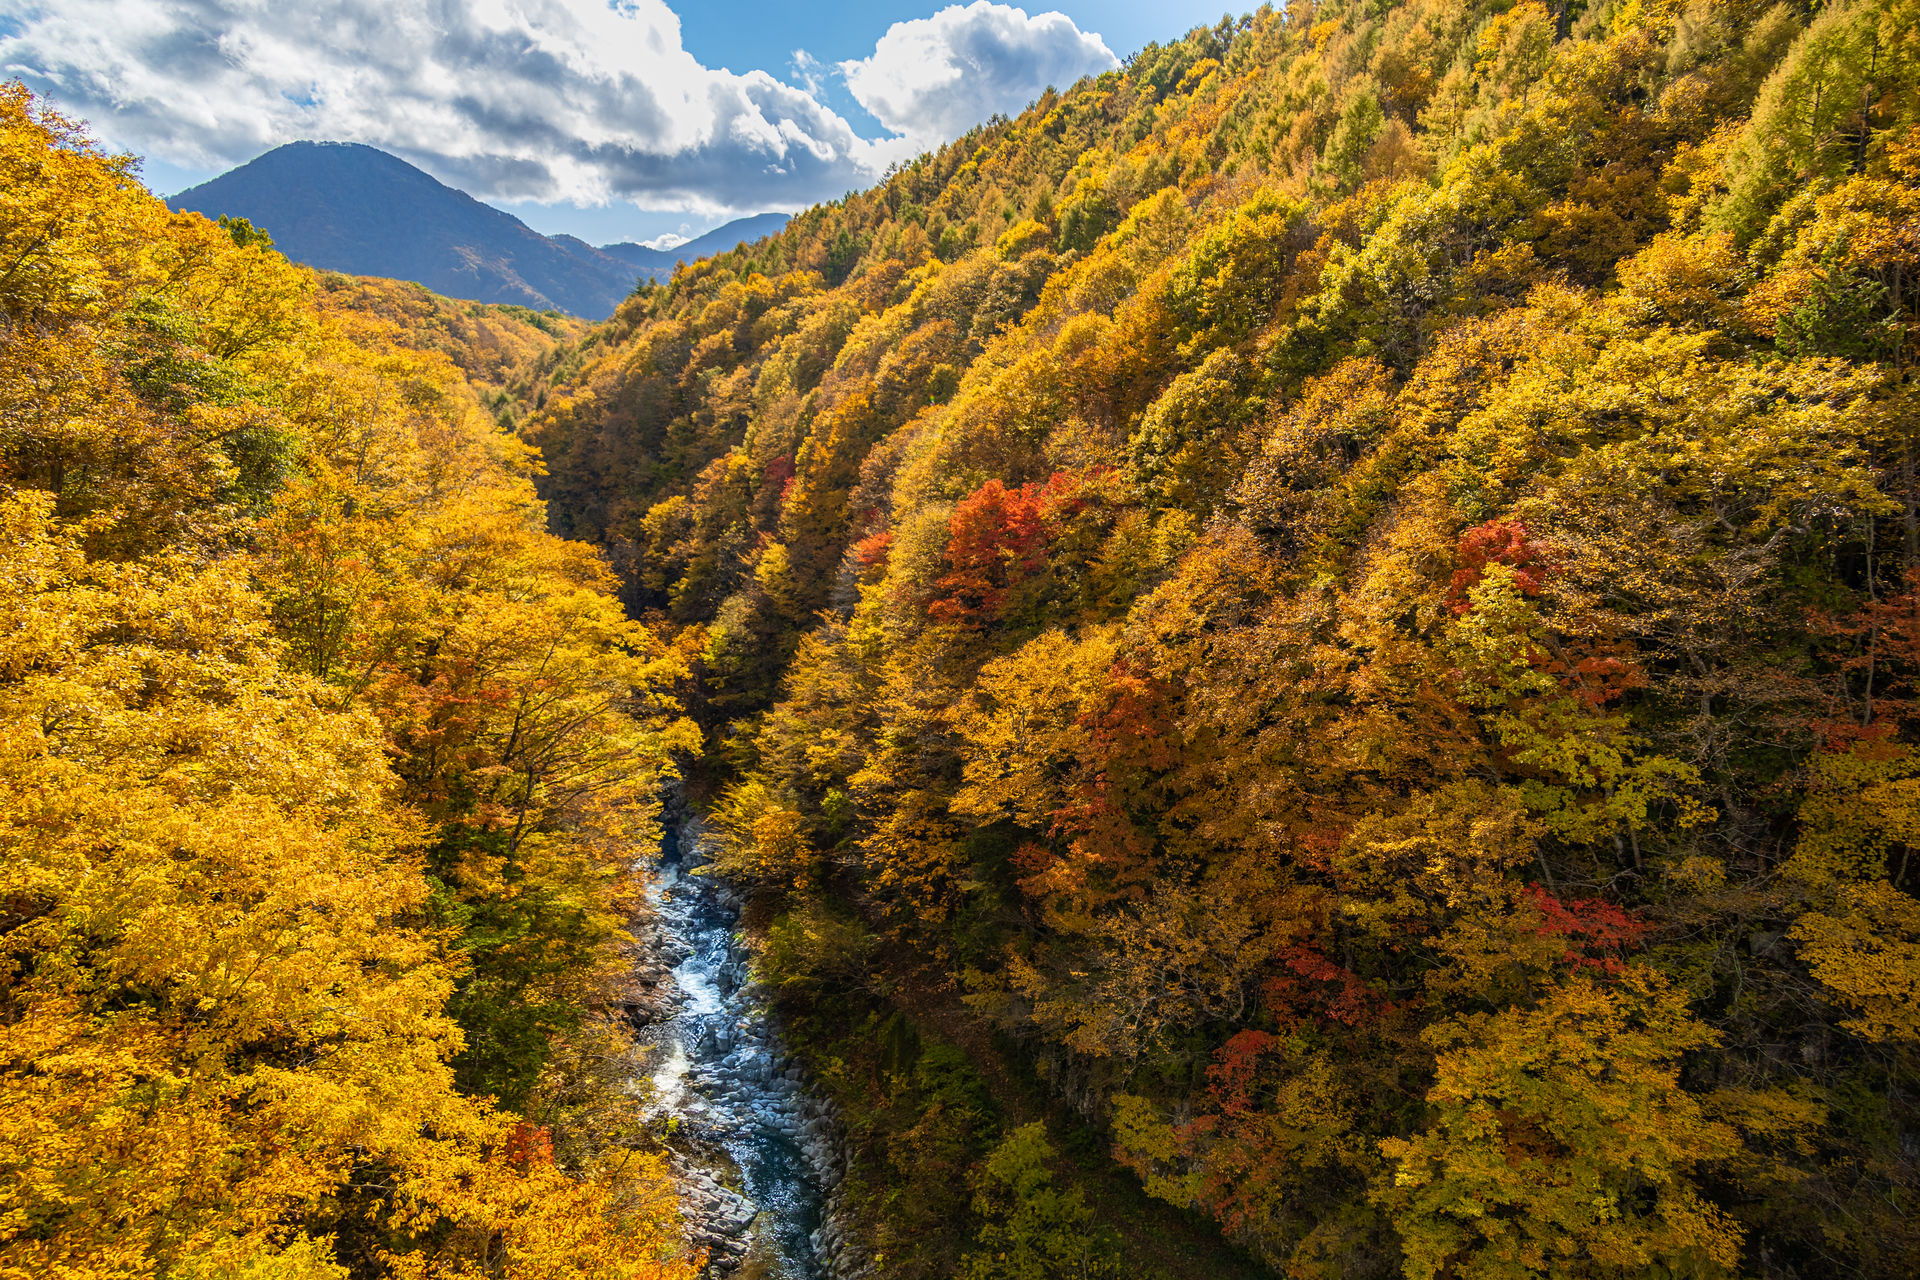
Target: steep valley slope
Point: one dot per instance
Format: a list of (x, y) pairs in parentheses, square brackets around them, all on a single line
[(1303, 661), (1320, 631)]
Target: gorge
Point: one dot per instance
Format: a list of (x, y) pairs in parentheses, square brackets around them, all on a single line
[(1300, 660)]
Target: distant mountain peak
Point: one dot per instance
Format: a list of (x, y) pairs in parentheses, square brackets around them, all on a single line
[(659, 263), (349, 207)]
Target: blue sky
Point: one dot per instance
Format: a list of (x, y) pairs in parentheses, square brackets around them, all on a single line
[(747, 33), (607, 119)]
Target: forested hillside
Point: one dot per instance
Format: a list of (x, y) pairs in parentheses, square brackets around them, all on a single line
[(322, 768), (1333, 616), (495, 346)]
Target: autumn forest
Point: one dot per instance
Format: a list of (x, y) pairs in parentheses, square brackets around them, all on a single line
[(1306, 659)]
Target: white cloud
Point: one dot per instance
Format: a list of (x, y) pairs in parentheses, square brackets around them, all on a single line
[(806, 70), (545, 100), (510, 99), (934, 78)]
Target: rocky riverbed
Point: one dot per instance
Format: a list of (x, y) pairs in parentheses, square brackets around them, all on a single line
[(754, 1152)]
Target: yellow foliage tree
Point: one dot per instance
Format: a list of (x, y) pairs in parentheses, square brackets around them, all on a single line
[(226, 1040), (1562, 1143)]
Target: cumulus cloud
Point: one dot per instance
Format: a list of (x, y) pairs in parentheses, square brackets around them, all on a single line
[(934, 78), (510, 99), (546, 100)]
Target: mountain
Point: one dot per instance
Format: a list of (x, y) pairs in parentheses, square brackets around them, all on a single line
[(1304, 660), (661, 262), (345, 207), (341, 206), (1333, 616)]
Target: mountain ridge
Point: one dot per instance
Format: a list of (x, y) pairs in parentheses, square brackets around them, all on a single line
[(348, 207), (1335, 606), (719, 240)]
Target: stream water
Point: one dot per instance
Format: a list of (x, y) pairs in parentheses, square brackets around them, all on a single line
[(751, 1149)]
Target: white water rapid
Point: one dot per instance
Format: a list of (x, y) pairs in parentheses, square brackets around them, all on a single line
[(751, 1149)]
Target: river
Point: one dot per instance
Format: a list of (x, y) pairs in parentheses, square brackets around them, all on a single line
[(752, 1150)]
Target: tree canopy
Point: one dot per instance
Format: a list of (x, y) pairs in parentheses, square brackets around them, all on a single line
[(1344, 590)]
